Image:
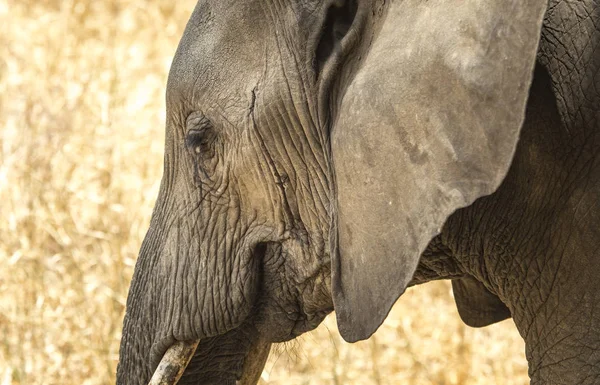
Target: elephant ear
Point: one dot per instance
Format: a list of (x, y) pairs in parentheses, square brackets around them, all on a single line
[(476, 305), (428, 124)]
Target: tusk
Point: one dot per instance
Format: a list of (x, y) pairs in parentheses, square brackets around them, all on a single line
[(173, 364), (254, 363)]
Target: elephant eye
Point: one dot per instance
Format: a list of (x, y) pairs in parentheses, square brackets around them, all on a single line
[(197, 140), (200, 136)]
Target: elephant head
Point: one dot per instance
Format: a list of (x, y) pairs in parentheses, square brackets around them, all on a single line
[(313, 149)]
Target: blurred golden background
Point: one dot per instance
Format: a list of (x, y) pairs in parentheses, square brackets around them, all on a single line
[(82, 88)]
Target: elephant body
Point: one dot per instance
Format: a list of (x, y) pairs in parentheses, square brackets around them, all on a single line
[(530, 249), (534, 242), (324, 155)]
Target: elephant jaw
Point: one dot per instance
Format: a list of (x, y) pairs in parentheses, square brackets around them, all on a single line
[(178, 356)]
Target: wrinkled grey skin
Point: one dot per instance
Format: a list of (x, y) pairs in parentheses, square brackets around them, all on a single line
[(317, 153)]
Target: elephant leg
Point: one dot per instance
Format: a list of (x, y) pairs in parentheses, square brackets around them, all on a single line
[(562, 327), (556, 306)]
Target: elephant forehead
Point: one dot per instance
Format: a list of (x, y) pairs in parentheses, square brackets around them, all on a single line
[(222, 48)]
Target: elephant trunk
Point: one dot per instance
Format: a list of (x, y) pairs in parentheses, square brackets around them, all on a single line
[(191, 283), (143, 317)]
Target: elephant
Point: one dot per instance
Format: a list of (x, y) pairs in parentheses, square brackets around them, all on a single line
[(325, 155)]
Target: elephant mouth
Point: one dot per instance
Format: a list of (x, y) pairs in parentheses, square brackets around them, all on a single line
[(286, 308), (234, 358)]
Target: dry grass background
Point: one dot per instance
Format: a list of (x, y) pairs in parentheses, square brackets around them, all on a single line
[(81, 120)]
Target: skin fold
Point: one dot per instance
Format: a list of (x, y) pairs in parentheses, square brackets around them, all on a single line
[(322, 155)]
